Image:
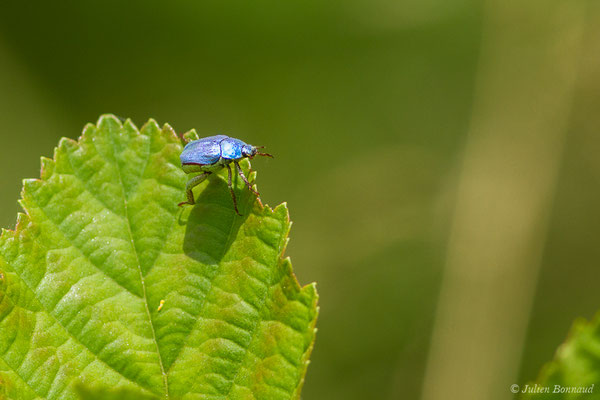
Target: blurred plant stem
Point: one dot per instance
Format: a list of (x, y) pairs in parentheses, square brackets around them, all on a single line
[(527, 72)]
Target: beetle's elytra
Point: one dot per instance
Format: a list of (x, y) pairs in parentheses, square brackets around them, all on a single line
[(212, 153)]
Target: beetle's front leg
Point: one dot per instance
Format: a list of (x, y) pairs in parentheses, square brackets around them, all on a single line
[(231, 190), (239, 171), (192, 183)]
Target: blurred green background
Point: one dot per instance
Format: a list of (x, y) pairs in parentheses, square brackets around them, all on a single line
[(390, 121)]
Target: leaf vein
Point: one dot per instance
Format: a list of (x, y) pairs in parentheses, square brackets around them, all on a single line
[(22, 379), (145, 297), (72, 336), (72, 244)]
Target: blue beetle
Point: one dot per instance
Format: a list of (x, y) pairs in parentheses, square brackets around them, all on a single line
[(212, 153)]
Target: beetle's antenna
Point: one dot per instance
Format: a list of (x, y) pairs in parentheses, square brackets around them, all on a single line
[(265, 154)]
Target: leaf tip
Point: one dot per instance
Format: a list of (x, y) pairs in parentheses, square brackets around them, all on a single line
[(5, 232), (190, 135), (168, 130), (151, 126), (31, 184), (281, 210), (128, 124), (109, 122), (87, 128), (47, 167), (310, 290), (109, 119), (22, 220), (67, 143)]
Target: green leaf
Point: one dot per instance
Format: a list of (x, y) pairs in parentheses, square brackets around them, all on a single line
[(104, 393), (575, 368), (103, 244)]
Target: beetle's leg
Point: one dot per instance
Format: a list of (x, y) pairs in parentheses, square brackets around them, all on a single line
[(239, 170), (231, 189), (192, 183)]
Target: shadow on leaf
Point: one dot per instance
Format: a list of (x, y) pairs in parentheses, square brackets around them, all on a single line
[(212, 224)]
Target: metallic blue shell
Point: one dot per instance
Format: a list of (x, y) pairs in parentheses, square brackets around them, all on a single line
[(209, 150), (231, 149), (205, 151)]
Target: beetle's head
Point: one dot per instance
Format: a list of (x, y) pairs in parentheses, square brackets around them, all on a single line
[(251, 151)]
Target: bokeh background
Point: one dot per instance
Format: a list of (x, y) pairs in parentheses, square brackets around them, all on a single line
[(440, 159)]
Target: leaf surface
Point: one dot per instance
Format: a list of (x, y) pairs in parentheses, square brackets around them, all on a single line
[(108, 289)]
